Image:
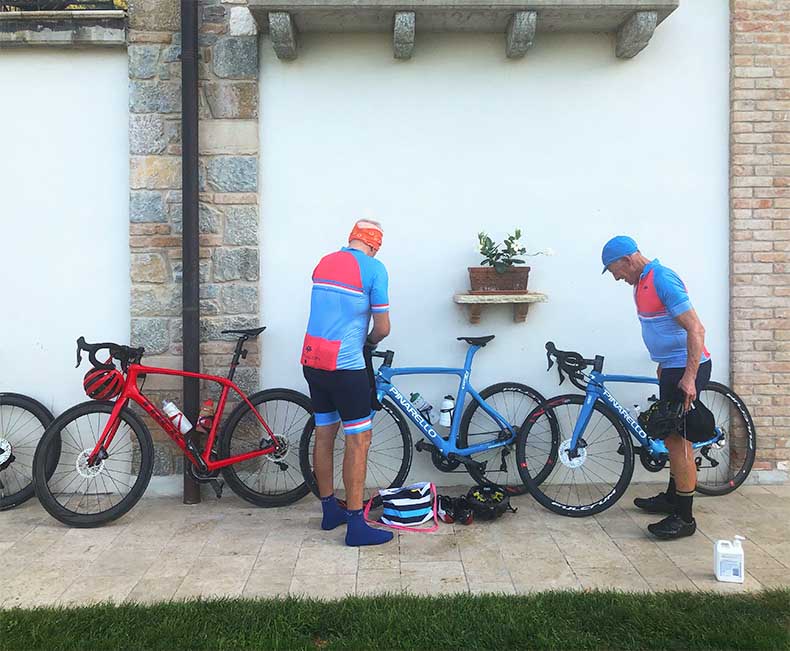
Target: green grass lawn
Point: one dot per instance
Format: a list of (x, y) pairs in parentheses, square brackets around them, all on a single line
[(555, 620)]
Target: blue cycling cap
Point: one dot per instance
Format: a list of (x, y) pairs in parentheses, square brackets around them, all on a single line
[(616, 248)]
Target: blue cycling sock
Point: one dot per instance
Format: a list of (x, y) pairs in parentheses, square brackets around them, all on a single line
[(334, 514), (359, 533)]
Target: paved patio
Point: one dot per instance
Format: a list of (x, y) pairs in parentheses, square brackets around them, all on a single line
[(164, 550)]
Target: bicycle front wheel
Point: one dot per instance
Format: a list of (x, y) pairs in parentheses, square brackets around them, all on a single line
[(725, 465), (82, 495), (592, 479), (22, 424), (271, 479), (389, 457), (514, 402)]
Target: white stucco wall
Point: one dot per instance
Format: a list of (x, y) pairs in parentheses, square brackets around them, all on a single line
[(65, 230), (570, 144)]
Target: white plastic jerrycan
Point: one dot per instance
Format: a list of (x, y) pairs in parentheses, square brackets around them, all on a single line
[(728, 561)]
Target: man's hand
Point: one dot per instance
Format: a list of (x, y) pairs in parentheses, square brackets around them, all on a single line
[(688, 386)]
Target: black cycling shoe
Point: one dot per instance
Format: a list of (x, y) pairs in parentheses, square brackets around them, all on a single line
[(672, 527), (657, 504)]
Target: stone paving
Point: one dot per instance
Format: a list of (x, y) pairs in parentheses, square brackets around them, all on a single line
[(164, 550)]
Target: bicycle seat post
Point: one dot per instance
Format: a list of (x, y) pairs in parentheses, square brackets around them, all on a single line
[(239, 353)]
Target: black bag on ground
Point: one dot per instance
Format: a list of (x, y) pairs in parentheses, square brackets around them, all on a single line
[(489, 501)]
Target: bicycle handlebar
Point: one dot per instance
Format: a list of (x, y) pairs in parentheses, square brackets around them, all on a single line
[(572, 363), (124, 354), (387, 356)]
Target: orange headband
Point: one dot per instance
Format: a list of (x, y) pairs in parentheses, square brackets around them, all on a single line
[(370, 236)]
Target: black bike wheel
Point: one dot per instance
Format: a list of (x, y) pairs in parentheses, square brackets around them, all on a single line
[(514, 402), (271, 479), (597, 477), (83, 496), (389, 458), (22, 424), (724, 466)]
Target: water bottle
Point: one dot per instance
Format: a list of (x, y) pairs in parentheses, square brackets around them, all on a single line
[(446, 412), (206, 417), (423, 406), (728, 560), (176, 416)]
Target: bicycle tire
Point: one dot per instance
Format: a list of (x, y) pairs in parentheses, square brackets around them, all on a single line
[(561, 472), (287, 427), (140, 460), (383, 421), (16, 480), (512, 478), (744, 432)]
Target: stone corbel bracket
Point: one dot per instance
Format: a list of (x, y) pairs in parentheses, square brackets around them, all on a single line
[(403, 34), (635, 33), (520, 33), (283, 34)]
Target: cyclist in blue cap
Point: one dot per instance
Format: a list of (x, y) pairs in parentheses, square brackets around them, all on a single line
[(675, 338)]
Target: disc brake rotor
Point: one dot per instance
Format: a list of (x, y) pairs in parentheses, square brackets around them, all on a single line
[(5, 453), (565, 458), (86, 471)]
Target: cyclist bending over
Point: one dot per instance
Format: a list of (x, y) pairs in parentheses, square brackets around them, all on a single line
[(675, 338)]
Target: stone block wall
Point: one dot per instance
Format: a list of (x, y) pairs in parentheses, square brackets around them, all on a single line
[(760, 223), (229, 265)]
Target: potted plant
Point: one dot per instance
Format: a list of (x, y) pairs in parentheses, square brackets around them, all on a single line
[(500, 270)]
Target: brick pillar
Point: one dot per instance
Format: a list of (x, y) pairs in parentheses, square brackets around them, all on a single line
[(229, 263), (760, 223)]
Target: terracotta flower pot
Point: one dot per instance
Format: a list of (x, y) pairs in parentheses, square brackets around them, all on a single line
[(487, 279)]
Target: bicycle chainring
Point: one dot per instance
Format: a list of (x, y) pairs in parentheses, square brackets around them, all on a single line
[(651, 463), (201, 477), (443, 463)]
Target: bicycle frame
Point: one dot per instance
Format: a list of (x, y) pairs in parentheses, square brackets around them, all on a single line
[(597, 391), (384, 387), (131, 392)]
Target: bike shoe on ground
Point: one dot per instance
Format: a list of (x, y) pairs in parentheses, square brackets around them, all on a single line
[(657, 504), (672, 527)]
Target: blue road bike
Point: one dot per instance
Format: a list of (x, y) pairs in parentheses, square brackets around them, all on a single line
[(481, 436), (594, 463)]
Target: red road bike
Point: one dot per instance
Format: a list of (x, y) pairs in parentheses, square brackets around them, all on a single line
[(105, 454)]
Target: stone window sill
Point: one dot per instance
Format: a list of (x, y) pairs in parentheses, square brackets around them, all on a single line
[(63, 28)]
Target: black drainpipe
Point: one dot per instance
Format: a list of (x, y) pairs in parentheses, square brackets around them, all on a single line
[(190, 241)]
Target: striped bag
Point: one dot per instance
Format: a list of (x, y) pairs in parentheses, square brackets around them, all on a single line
[(408, 507)]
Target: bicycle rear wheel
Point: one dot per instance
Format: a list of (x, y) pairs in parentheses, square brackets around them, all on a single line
[(596, 477), (514, 402), (22, 424), (724, 466), (389, 457), (80, 495), (272, 479)]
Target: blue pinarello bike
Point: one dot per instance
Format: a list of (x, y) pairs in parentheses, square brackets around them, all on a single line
[(594, 462), (481, 436)]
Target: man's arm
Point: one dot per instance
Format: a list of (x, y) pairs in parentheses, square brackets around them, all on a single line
[(379, 306), (695, 343), (381, 327)]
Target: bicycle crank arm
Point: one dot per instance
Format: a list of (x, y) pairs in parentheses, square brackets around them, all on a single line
[(480, 466), (217, 485), (424, 446)]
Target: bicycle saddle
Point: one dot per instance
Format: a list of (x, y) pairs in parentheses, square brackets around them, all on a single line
[(476, 341), (250, 332)]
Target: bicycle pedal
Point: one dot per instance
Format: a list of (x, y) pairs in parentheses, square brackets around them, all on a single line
[(217, 485), (424, 446)]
